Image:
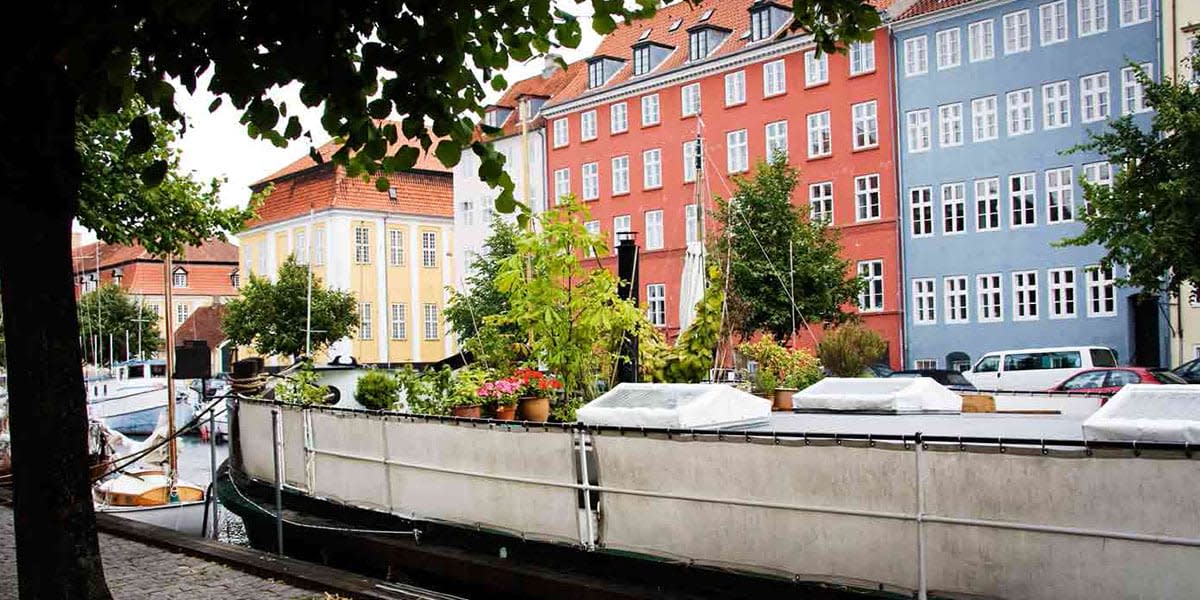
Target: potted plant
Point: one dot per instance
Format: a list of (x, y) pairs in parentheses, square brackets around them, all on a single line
[(535, 391), (501, 395), (463, 388), (770, 356), (798, 369)]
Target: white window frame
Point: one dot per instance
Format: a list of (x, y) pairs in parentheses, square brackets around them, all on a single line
[(776, 134), (820, 131), (774, 78), (562, 132), (1138, 11), (950, 125), (871, 298), (1101, 291), (366, 328), (916, 56), (651, 110), (919, 130), (1015, 42), (864, 117), (432, 328), (1027, 199), (1019, 107), (396, 247), (318, 246), (618, 118), (691, 220), (989, 298), (867, 205), (985, 123), (1060, 195), (1095, 101), (562, 184), (735, 88), (300, 246), (690, 171), (620, 174), (954, 208), (925, 363), (737, 151), (981, 40), (816, 68), (1025, 296), (956, 299), (588, 130), (920, 210), (862, 58), (593, 229), (924, 301), (621, 224), (1053, 25), (1056, 105), (398, 317), (987, 204), (948, 44), (429, 249), (689, 100), (362, 245), (1093, 16), (652, 169), (654, 229), (1133, 94), (656, 304), (179, 279), (589, 173), (1063, 294), (820, 202)]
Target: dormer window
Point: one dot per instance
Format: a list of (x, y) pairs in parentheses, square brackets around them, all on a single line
[(765, 19), (235, 279), (601, 69), (647, 56), (496, 116), (702, 40), (179, 278), (116, 276)]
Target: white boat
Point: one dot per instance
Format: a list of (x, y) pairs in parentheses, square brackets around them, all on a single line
[(144, 495), (133, 396)]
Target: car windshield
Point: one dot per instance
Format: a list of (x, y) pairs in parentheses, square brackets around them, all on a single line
[(1167, 377)]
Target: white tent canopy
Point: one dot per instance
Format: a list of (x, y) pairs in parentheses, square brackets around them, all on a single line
[(675, 405), (893, 395), (1148, 413)]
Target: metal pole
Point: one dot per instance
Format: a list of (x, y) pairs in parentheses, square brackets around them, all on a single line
[(172, 448), (212, 452), (590, 542), (922, 591), (111, 356), (126, 345), (308, 259), (792, 278), (278, 482)]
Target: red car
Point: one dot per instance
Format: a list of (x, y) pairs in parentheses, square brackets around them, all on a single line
[(1109, 380)]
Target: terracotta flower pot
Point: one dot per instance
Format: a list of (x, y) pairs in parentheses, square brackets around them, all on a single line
[(534, 409), (783, 399), (506, 412), (473, 411)]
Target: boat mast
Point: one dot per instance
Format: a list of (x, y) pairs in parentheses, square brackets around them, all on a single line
[(308, 244), (172, 457)]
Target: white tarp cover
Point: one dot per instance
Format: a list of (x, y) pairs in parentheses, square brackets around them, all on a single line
[(254, 439), (891, 394), (1148, 413), (691, 284), (674, 405)]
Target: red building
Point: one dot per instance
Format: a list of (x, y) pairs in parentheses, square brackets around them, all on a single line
[(737, 75)]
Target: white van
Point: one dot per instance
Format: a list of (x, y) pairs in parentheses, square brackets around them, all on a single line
[(1036, 368)]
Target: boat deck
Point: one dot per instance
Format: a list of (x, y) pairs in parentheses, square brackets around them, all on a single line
[(1010, 426)]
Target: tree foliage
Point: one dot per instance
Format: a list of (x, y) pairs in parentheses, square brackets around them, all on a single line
[(1148, 219), (110, 311), (849, 349), (273, 316), (467, 311), (691, 357), (775, 252)]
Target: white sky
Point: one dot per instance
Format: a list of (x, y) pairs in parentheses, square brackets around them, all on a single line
[(216, 145)]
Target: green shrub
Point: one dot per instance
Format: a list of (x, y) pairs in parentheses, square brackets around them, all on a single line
[(377, 390), (848, 350), (300, 387)]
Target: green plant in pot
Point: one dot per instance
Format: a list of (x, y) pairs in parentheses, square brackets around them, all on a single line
[(463, 391), (501, 396), (377, 390)]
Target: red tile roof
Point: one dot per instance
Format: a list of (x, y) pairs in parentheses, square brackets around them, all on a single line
[(203, 324), (536, 86), (114, 254), (426, 161), (733, 15), (921, 7)]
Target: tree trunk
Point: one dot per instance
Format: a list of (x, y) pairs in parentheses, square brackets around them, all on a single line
[(58, 553)]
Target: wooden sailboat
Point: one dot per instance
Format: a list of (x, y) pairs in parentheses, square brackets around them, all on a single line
[(154, 495)]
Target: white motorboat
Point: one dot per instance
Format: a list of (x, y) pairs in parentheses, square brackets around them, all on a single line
[(144, 495), (133, 396)]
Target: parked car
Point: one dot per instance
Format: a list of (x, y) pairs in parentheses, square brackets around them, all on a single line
[(1111, 380), (1036, 368), (947, 377), (1189, 371)]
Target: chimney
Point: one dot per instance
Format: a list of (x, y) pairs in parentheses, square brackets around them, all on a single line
[(550, 65), (627, 287)]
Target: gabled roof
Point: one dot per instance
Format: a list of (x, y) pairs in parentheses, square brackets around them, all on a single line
[(111, 255), (203, 324), (921, 7), (425, 162), (537, 86)]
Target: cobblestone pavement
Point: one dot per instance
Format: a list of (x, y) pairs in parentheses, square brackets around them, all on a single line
[(135, 571)]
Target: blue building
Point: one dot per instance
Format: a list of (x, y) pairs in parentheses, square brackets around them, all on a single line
[(989, 93)]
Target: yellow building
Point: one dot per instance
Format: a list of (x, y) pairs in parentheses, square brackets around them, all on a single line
[(391, 249), (1181, 26)]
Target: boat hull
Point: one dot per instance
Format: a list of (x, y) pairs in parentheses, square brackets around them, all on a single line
[(139, 414), (184, 517)]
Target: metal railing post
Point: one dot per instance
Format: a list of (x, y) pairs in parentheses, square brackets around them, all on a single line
[(922, 590), (212, 460), (589, 526), (275, 420)]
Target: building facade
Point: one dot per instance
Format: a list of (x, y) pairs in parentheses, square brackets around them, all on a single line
[(1181, 26), (732, 83), (204, 275), (991, 93), (524, 150), (392, 250)]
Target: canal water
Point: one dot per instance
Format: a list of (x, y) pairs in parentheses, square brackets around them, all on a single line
[(194, 466)]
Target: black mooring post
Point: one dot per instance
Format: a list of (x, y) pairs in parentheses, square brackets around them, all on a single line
[(627, 287)]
